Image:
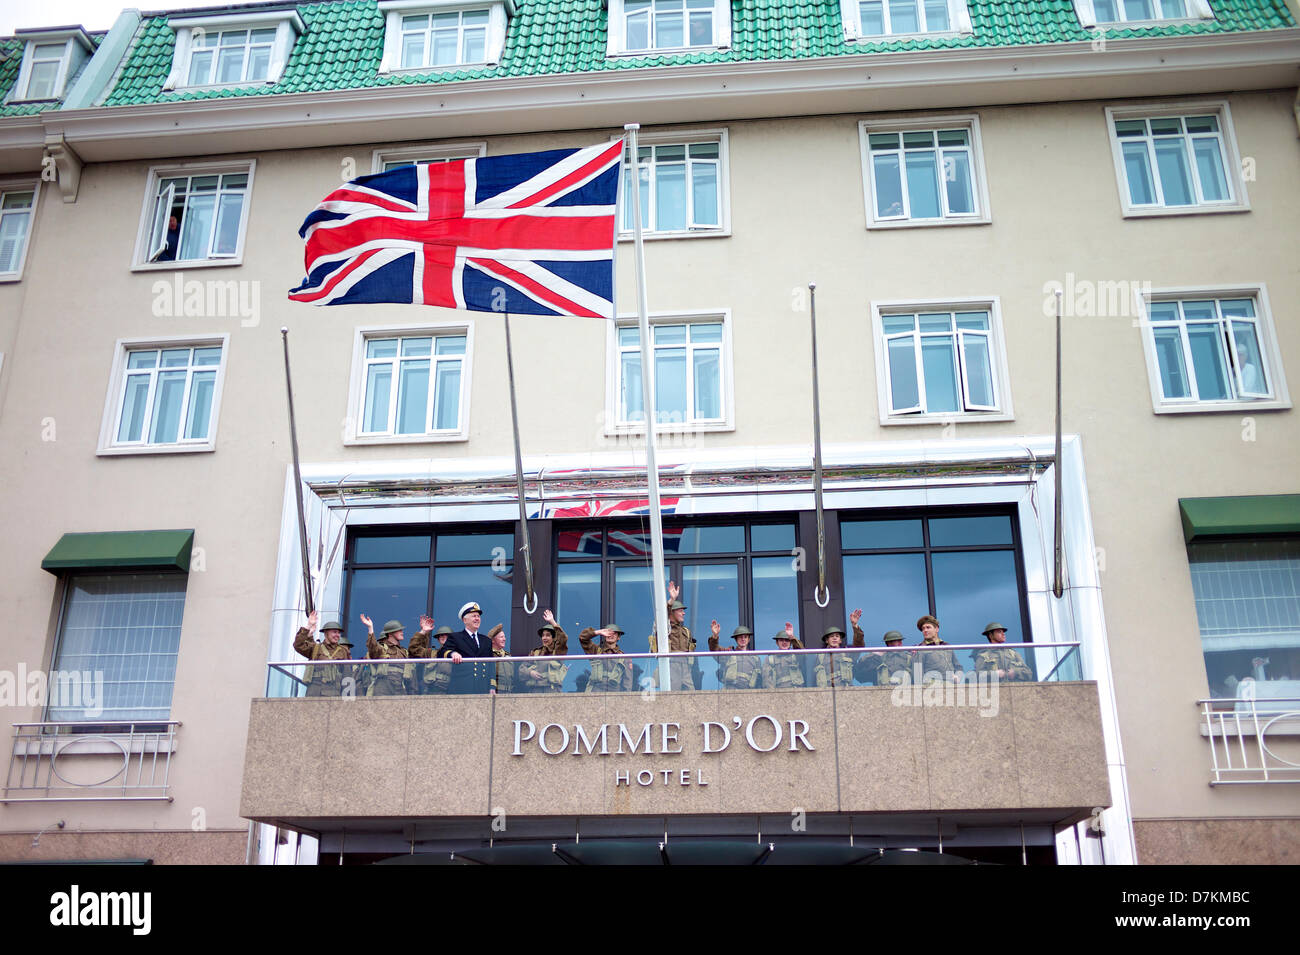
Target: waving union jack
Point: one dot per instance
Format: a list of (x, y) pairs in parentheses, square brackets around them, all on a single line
[(530, 233)]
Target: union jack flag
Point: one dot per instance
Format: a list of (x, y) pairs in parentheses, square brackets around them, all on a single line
[(622, 543), (531, 233)]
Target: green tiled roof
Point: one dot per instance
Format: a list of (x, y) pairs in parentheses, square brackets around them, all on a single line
[(11, 61), (343, 43)]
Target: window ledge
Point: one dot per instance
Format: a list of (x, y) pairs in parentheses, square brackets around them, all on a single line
[(10, 277), (1144, 212), (444, 68), (688, 234), (159, 449), (1224, 407), (665, 51), (927, 223), (891, 37), (98, 744), (174, 265), (632, 430), (363, 440), (967, 417), (1147, 24)]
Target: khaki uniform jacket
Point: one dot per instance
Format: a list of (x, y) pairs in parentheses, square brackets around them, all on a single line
[(992, 659), (504, 681), (388, 679), (783, 669), (606, 676), (941, 662), (437, 674), (740, 669), (550, 672), (880, 667), (836, 669), (323, 681)]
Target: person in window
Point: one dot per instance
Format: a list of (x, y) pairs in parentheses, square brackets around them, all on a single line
[(545, 675), (323, 680), (740, 669), (436, 677), (782, 669), (936, 665), (504, 679), (168, 254), (607, 676), (1006, 663), (388, 679), (836, 669), (681, 672), (888, 668), (468, 644)]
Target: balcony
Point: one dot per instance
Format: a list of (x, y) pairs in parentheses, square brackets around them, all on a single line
[(950, 743)]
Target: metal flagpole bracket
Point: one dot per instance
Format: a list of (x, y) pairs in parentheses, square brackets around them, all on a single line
[(821, 587)]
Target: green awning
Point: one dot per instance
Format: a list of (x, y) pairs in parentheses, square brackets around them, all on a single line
[(1239, 516), (137, 550)]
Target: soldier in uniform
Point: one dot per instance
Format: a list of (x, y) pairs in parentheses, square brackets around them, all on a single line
[(836, 669), (388, 679), (679, 641), (740, 669), (783, 669), (545, 675), (323, 680), (1005, 662), (936, 664), (436, 677), (504, 679), (891, 667), (607, 676)]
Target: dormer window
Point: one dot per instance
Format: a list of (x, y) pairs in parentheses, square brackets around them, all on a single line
[(439, 34), (50, 61), (1140, 12), (638, 27), (228, 51), (883, 19)]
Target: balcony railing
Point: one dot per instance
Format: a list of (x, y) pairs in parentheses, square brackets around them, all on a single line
[(79, 761), (1246, 735), (917, 666)]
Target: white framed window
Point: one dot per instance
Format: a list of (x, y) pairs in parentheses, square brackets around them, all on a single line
[(429, 35), (692, 374), (1176, 160), (924, 173), (50, 61), (17, 207), (642, 26), (883, 19), (410, 384), (164, 396), (683, 185), (1212, 349), (383, 160), (195, 215), (1094, 12), (936, 361), (226, 50)]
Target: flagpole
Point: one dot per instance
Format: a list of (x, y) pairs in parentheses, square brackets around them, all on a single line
[(1058, 543), (817, 461), (659, 583), (529, 595), (297, 476)]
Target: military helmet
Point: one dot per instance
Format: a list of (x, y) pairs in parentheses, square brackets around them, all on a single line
[(443, 631), (991, 627), (392, 627), (893, 635), (829, 631), (544, 627), (331, 625), (782, 635), (615, 627), (742, 632), (676, 605)]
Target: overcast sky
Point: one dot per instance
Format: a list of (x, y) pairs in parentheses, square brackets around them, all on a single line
[(92, 14)]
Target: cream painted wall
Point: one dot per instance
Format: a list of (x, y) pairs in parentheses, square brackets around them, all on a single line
[(797, 215)]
